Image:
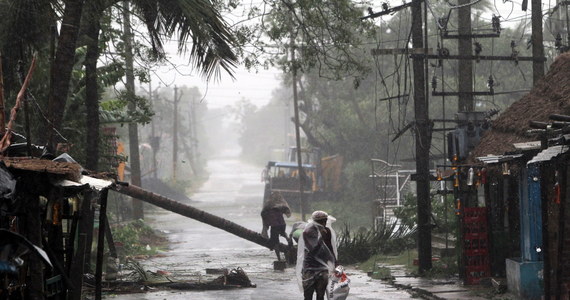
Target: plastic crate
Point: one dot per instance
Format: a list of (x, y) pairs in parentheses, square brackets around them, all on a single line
[(476, 245)]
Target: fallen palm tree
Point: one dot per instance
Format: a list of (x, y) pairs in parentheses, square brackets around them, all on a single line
[(196, 214)]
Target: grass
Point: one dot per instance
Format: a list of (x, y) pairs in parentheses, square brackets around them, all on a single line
[(442, 268), (137, 238), (405, 258)]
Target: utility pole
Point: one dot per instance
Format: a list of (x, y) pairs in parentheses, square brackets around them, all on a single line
[(189, 148), (134, 157), (194, 139), (465, 66), (423, 140), (297, 131), (537, 45), (154, 140), (175, 132)]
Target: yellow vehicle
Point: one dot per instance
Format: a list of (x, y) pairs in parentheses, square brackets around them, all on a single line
[(322, 176)]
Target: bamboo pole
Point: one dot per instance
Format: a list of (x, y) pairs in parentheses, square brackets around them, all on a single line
[(5, 141)]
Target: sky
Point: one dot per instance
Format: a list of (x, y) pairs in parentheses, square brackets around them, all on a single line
[(257, 86)]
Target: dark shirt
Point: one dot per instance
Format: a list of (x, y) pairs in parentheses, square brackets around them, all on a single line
[(272, 217)]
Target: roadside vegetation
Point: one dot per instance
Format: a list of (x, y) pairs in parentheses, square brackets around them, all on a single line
[(137, 238), (394, 242)]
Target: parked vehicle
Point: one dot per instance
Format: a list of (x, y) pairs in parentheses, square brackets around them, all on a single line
[(321, 176)]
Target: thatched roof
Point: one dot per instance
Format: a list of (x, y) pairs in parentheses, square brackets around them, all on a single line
[(68, 170), (550, 95)]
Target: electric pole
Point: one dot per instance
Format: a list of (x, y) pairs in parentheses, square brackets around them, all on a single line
[(194, 139), (154, 140), (297, 130), (134, 158), (537, 41), (465, 66), (175, 132), (423, 140)]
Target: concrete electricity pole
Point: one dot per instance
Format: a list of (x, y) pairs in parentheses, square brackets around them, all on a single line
[(175, 132), (423, 140), (297, 130), (537, 41), (465, 47)]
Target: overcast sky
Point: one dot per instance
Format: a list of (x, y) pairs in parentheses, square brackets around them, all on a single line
[(258, 87)]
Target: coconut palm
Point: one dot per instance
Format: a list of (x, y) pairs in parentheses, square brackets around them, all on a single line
[(196, 24), (188, 20)]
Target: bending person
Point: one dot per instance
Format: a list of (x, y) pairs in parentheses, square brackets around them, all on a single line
[(272, 216)]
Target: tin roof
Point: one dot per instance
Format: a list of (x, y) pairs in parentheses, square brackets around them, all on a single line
[(495, 159), (549, 153)]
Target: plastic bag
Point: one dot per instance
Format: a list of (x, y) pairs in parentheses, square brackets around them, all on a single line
[(339, 285)]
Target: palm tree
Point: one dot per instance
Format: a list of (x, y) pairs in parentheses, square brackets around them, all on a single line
[(29, 25), (190, 20)]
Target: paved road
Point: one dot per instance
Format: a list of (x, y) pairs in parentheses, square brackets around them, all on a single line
[(233, 191)]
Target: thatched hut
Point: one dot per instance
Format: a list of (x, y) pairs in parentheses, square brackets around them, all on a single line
[(525, 187)]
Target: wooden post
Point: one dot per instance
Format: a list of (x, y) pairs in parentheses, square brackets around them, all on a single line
[(111, 268), (101, 243), (85, 228), (2, 121), (35, 281)]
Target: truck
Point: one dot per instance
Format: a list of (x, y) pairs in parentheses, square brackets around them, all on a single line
[(322, 176)]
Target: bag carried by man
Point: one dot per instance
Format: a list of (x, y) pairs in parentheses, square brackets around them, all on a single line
[(339, 285)]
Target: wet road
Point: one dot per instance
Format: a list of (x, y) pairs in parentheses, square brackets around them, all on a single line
[(234, 192)]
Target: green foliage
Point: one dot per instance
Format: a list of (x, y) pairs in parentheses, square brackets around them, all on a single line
[(354, 214), (135, 236), (404, 258), (361, 245), (115, 110), (445, 267), (357, 182), (443, 214), (327, 31)]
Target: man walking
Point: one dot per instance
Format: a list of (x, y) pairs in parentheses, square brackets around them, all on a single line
[(316, 255)]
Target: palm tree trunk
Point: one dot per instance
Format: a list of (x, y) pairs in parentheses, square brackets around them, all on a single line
[(194, 213), (92, 16), (134, 157), (63, 65)]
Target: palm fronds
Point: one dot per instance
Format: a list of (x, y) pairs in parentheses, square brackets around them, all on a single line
[(196, 21), (361, 245)]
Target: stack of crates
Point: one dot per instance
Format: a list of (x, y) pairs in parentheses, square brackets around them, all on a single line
[(476, 244)]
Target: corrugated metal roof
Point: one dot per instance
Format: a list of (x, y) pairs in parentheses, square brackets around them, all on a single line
[(549, 153), (287, 164), (495, 159), (534, 145), (84, 181)]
